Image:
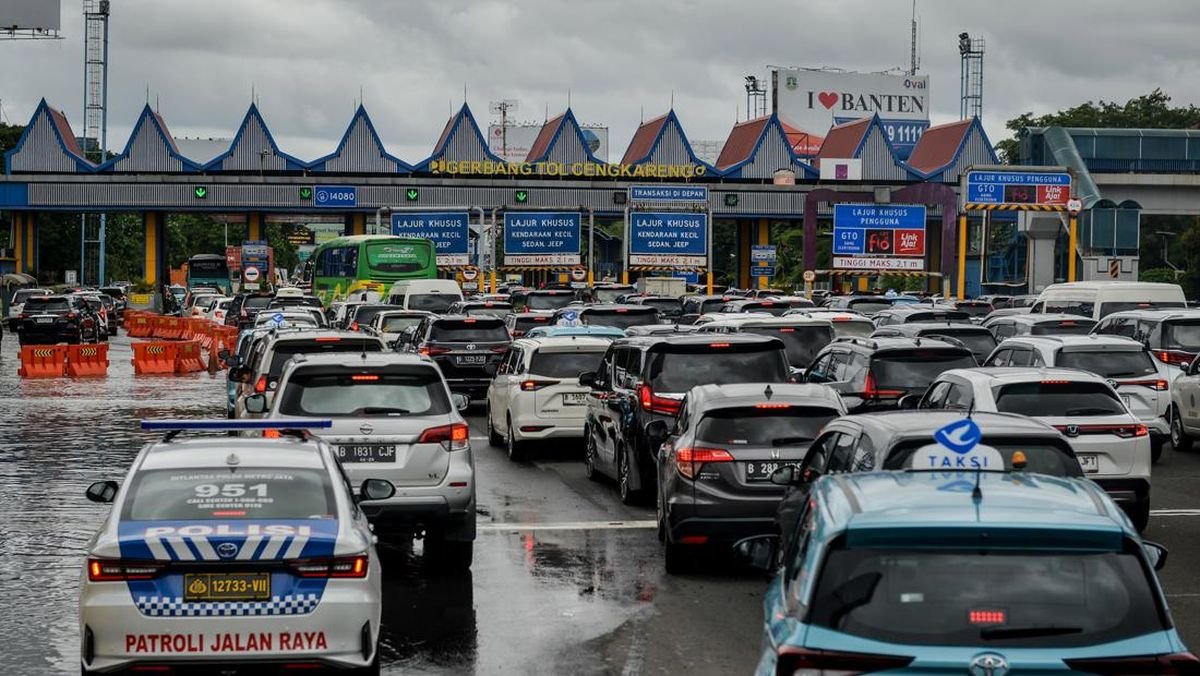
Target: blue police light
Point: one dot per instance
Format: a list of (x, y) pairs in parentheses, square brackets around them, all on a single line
[(229, 425)]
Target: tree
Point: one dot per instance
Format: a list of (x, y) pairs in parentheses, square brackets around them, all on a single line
[(9, 135), (1149, 111)]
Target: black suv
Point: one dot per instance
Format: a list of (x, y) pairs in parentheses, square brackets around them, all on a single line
[(644, 379), (614, 315), (977, 339), (668, 307), (245, 307), (694, 306), (463, 347), (873, 374), (46, 320), (363, 314)]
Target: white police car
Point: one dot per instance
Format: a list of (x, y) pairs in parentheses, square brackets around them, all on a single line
[(224, 555)]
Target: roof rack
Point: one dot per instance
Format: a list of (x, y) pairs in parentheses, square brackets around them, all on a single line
[(174, 427)]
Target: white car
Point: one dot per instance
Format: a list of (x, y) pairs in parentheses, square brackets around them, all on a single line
[(17, 303), (216, 311), (220, 551), (536, 394), (1112, 445)]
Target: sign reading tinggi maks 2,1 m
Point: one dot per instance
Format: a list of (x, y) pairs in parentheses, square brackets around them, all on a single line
[(447, 230), (668, 239), (542, 238), (1050, 188), (879, 236)]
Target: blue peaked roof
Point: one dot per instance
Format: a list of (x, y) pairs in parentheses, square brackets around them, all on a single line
[(640, 152), (359, 126), (149, 122), (552, 134), (759, 131), (54, 123), (239, 156), (462, 122)]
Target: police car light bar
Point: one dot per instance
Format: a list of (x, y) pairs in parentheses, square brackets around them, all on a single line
[(233, 425)]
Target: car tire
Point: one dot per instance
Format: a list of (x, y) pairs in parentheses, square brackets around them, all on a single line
[(1139, 513), (589, 456), (452, 556), (493, 436), (677, 559), (1180, 439), (1156, 448), (514, 448), (628, 495)]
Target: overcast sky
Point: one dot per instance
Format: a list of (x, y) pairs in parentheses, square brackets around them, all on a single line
[(307, 60)]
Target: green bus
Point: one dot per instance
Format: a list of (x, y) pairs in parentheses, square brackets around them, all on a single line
[(208, 270), (354, 263)]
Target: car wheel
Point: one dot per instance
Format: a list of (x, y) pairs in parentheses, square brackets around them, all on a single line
[(628, 495), (1139, 513), (516, 449), (494, 437), (589, 456), (1156, 448), (1180, 439)]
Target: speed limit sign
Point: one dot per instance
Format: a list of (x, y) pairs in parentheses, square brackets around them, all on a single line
[(810, 276), (1074, 205), (578, 274), (470, 272)]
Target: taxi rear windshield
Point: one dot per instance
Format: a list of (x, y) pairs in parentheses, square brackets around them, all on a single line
[(564, 364), (621, 319), (1058, 399), (230, 493), (323, 393), (801, 342), (1041, 456), (1063, 327), (759, 426), (285, 350), (1109, 363), (985, 598), (482, 330)]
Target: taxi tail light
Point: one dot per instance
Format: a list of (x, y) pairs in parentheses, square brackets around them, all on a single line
[(535, 385), (432, 350), (656, 404), (261, 385), (689, 459), (870, 391), (341, 566), (119, 570), (1175, 358), (1173, 664), (793, 660), (454, 437)]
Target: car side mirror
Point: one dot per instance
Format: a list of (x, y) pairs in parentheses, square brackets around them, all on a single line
[(256, 403), (1156, 554), (909, 402), (588, 379), (656, 434), (461, 401), (376, 489), (788, 475), (240, 373), (103, 492), (757, 553), (490, 368)]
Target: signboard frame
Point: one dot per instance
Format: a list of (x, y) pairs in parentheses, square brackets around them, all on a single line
[(669, 194), (1052, 188)]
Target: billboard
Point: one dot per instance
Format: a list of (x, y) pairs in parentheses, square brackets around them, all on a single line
[(542, 238), (514, 147), (26, 14), (671, 239), (816, 100), (449, 232), (879, 236)]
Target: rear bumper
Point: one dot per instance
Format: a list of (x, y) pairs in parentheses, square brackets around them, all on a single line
[(1125, 492), (548, 428), (721, 520), (721, 530)]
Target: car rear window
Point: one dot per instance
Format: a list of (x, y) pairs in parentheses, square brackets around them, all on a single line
[(398, 323), (1109, 308), (366, 313), (469, 331), (284, 350), (622, 318), (230, 493), (38, 304), (994, 598), (548, 301), (802, 343), (773, 424), (981, 342), (564, 364), (664, 305), (974, 309), (417, 391), (1063, 327), (1041, 456), (526, 323), (493, 310), (1058, 399), (431, 302), (934, 316), (293, 301), (853, 328), (680, 371), (914, 370), (868, 306), (773, 308), (610, 295), (257, 302), (1181, 335), (1109, 363)]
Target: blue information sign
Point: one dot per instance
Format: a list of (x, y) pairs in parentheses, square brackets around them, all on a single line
[(677, 234), (1018, 187), (764, 253), (668, 193), (691, 277), (762, 271), (878, 229), (448, 230), (335, 196), (553, 236)]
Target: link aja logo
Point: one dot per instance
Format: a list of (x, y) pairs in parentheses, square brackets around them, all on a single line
[(868, 103)]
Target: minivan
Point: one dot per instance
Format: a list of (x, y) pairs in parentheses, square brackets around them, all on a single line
[(431, 295), (1100, 299)]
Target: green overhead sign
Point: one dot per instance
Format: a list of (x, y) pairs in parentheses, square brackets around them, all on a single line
[(200, 192), (306, 193), (412, 195), (521, 196)]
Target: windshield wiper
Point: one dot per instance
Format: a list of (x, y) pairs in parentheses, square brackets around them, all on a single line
[(1027, 632), (788, 441), (379, 410)]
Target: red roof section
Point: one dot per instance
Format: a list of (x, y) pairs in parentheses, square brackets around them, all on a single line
[(938, 145), (803, 143), (843, 140), (162, 124), (544, 137), (741, 142), (643, 139), (64, 131), (446, 132)]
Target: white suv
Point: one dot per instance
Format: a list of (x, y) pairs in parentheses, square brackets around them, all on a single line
[(1112, 445), (535, 393), (1142, 382)]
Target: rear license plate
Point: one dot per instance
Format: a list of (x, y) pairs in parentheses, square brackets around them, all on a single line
[(367, 453), (762, 471), (574, 398), (471, 360), (1127, 400), (227, 587), (44, 320), (1089, 463)]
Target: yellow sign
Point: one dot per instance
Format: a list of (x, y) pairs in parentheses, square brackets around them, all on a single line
[(574, 169), (139, 299)]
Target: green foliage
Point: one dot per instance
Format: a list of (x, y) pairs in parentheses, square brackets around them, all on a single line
[(1157, 275), (9, 135)]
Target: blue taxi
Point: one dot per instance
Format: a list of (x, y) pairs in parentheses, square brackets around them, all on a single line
[(977, 572)]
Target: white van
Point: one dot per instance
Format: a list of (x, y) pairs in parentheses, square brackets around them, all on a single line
[(1099, 299), (431, 295)]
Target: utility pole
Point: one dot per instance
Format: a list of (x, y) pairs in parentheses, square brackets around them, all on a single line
[(913, 63), (502, 108)]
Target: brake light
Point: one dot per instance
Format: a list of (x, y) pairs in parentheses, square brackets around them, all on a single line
[(843, 319), (656, 404), (795, 660), (718, 344), (688, 459), (341, 566), (328, 339), (1175, 358), (517, 333), (787, 330), (353, 326), (469, 320), (535, 385), (1055, 382), (261, 385), (870, 391), (455, 435), (772, 406), (71, 315), (432, 350), (364, 377), (1156, 385), (1175, 664), (118, 570)]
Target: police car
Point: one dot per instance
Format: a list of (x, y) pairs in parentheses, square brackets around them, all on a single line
[(222, 555)]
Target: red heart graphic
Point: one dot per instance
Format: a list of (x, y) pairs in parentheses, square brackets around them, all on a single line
[(827, 99)]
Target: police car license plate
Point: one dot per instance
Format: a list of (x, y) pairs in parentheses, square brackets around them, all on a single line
[(1089, 463), (471, 360), (227, 587), (762, 471), (574, 398), (367, 453)]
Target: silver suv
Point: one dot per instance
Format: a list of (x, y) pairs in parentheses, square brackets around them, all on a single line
[(394, 418)]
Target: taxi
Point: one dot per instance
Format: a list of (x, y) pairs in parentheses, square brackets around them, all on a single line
[(964, 572), (225, 554)]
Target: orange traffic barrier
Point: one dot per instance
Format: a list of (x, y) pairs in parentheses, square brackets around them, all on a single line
[(87, 360), (43, 361), (138, 324), (154, 357), (168, 328), (203, 332), (187, 357)]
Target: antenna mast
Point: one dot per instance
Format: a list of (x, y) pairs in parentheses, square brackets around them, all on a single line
[(914, 63)]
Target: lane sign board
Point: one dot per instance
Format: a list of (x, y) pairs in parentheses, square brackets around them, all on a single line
[(578, 274), (448, 230), (542, 237), (879, 236), (334, 196), (668, 238), (251, 274), (762, 253), (668, 193), (1018, 187)]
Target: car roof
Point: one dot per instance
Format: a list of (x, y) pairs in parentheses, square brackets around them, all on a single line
[(752, 393), (916, 327), (1000, 375), (874, 500), (1160, 315), (910, 423), (200, 452), (305, 333), (757, 319), (1108, 284), (1089, 340), (698, 339), (473, 318), (893, 342), (609, 306), (563, 341), (1028, 318), (364, 360)]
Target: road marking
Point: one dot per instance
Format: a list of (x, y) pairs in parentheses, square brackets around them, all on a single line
[(566, 525), (1175, 512)]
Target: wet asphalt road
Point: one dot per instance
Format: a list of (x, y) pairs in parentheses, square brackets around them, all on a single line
[(566, 579)]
